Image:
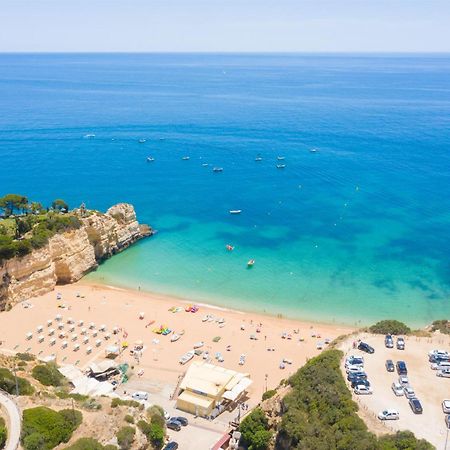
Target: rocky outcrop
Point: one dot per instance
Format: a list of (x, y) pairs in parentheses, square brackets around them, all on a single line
[(70, 255)]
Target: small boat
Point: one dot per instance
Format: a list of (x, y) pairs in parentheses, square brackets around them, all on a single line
[(205, 165), (218, 169), (250, 263), (258, 158), (235, 211), (185, 158), (175, 337), (89, 136), (199, 344), (186, 357), (229, 247), (142, 141), (313, 150), (281, 166), (281, 158), (150, 159)]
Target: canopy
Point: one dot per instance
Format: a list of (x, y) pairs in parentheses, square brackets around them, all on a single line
[(237, 390)]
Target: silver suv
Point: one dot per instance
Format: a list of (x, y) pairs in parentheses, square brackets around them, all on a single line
[(388, 341)]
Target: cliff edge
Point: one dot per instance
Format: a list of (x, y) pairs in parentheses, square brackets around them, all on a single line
[(71, 254)]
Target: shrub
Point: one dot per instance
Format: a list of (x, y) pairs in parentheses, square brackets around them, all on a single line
[(115, 402), (255, 431), (269, 394), (129, 418), (403, 440), (157, 434), (125, 437), (48, 374), (8, 383), (441, 325), (3, 433), (25, 356), (390, 327), (86, 444), (44, 428)]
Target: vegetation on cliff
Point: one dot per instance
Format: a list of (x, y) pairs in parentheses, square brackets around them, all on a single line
[(319, 414), (3, 433), (89, 444), (8, 383), (390, 327), (44, 429), (48, 374), (33, 225), (441, 325)]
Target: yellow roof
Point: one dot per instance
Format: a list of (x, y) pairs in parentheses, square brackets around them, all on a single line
[(196, 399)]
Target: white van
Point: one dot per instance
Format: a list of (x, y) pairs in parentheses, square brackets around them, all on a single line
[(140, 395), (443, 365)]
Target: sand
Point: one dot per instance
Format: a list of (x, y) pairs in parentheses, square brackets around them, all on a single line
[(121, 308)]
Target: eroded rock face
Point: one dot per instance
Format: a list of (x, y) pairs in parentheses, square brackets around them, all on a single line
[(70, 255)]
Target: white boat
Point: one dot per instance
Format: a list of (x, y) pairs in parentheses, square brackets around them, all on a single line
[(205, 165), (313, 150), (280, 158), (258, 158), (281, 166), (89, 136), (218, 169), (187, 357), (235, 211), (199, 344), (185, 158), (150, 159), (174, 337), (142, 141)]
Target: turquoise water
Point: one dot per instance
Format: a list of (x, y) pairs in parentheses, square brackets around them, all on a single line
[(356, 232)]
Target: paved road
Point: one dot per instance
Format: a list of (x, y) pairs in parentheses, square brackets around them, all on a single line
[(14, 421)]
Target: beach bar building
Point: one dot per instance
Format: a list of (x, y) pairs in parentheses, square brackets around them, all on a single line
[(206, 387)]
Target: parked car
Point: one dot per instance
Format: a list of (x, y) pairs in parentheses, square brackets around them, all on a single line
[(389, 414), (171, 446), (403, 380), (397, 389), (353, 369), (140, 395), (183, 420), (447, 420), (365, 347), (362, 390), (438, 359), (355, 375), (444, 354), (353, 357), (400, 343), (443, 373), (390, 365), (354, 362), (415, 405), (401, 368), (388, 341), (442, 365), (173, 425), (409, 392), (360, 381), (446, 406)]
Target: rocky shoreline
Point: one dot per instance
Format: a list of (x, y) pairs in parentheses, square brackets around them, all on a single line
[(68, 256)]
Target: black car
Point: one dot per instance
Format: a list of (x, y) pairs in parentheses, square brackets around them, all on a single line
[(183, 420), (401, 368), (174, 425), (352, 376), (171, 446), (366, 347), (416, 406), (390, 365), (360, 382)]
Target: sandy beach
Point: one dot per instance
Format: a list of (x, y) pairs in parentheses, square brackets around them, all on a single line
[(293, 340)]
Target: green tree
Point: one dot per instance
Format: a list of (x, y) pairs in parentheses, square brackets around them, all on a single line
[(3, 433), (390, 327), (255, 430), (60, 205), (11, 202), (48, 374), (35, 207), (8, 383)]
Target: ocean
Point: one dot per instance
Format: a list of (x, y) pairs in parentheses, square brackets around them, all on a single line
[(354, 232)]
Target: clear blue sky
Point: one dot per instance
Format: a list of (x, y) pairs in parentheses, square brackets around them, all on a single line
[(225, 25)]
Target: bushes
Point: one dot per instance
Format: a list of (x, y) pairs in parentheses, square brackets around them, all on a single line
[(115, 402), (3, 433), (154, 431), (390, 327), (25, 356), (89, 444), (125, 437), (44, 428), (48, 374), (8, 383), (255, 431), (269, 394), (441, 325), (129, 418), (320, 413)]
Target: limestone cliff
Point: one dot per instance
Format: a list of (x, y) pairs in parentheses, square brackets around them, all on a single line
[(70, 255)]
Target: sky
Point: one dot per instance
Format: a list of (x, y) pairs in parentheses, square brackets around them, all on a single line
[(224, 25)]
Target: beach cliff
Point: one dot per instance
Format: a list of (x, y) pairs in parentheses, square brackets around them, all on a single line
[(69, 255)]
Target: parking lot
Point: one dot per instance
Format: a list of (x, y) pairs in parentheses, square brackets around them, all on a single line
[(430, 389)]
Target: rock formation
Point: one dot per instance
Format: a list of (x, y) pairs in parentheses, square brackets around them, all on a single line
[(70, 255)]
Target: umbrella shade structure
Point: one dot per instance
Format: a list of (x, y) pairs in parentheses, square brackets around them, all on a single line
[(52, 341), (64, 344), (80, 323), (98, 342), (40, 329), (40, 338), (49, 323), (70, 320), (85, 340), (108, 336), (51, 332), (141, 315), (88, 350), (76, 347), (94, 333), (92, 325), (102, 327), (83, 331), (62, 335), (74, 337), (61, 326), (58, 317), (71, 328), (29, 335)]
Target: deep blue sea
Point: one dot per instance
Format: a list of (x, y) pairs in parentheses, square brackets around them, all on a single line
[(357, 231)]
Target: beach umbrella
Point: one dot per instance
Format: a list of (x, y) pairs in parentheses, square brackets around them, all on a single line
[(64, 344), (41, 338), (88, 350), (80, 323), (85, 340), (70, 320), (74, 337), (52, 341), (39, 329), (58, 317), (102, 327), (29, 335), (51, 332), (83, 331), (76, 347), (71, 328), (141, 315), (94, 333), (49, 322), (92, 325), (107, 336), (60, 326), (98, 342)]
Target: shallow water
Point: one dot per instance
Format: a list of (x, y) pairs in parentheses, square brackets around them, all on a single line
[(355, 232)]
